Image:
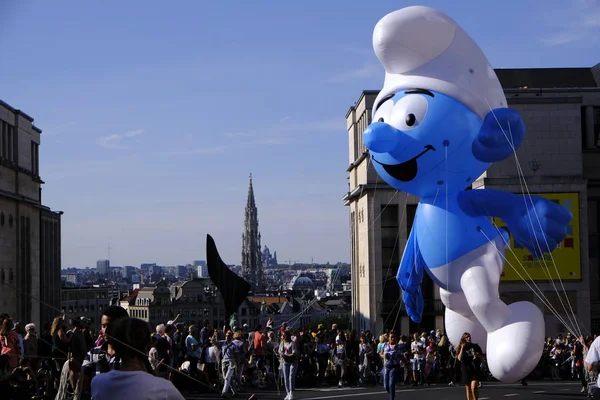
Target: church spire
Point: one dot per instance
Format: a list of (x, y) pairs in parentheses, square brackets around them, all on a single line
[(250, 203), (252, 269)]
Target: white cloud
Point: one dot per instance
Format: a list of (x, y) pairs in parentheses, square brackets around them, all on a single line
[(581, 21), (368, 71), (115, 141), (137, 132)]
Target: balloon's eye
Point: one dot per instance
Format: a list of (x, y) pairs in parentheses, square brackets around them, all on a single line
[(409, 112)]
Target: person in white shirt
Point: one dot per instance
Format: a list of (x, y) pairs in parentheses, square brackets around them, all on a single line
[(417, 348), (130, 338), (592, 360)]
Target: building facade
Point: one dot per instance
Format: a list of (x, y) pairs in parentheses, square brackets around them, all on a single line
[(87, 302), (50, 264), (103, 267), (193, 300), (559, 159), (29, 231), (252, 266)]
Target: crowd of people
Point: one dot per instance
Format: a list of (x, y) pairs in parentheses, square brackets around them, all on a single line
[(70, 360)]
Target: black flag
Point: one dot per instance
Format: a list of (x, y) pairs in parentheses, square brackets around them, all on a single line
[(233, 288)]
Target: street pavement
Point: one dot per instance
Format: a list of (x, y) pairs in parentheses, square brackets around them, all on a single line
[(540, 390)]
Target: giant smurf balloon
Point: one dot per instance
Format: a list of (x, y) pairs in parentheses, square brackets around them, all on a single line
[(439, 121)]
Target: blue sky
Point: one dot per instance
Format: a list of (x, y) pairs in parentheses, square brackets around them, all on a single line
[(154, 114)]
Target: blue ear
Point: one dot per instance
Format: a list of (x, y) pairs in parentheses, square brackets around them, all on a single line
[(500, 135)]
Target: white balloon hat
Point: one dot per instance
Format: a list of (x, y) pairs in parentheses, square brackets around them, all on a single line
[(424, 48)]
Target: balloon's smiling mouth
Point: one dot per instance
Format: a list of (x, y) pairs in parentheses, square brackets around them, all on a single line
[(406, 171)]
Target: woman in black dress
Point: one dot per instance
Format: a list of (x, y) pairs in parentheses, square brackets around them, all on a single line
[(469, 354)]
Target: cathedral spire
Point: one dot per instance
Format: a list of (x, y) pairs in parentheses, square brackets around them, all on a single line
[(250, 203), (251, 249)]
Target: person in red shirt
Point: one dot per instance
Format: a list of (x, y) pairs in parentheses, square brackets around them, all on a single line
[(282, 329), (260, 339)]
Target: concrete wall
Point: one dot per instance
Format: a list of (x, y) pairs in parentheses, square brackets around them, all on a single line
[(20, 197)]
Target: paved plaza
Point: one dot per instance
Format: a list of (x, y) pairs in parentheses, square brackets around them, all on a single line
[(490, 391)]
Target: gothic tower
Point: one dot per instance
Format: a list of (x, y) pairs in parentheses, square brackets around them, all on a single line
[(252, 269)]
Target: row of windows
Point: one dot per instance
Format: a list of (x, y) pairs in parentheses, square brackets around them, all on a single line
[(139, 314), (595, 127), (390, 259), (8, 141), (361, 125), (83, 295), (83, 308), (9, 147), (4, 220)]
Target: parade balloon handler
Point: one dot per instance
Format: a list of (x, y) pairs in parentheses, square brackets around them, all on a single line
[(439, 122)]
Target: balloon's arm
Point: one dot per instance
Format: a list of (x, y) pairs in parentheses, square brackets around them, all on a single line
[(489, 203), (500, 135), (409, 277)]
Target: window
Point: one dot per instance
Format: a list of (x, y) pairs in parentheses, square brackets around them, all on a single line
[(35, 162), (411, 212), (390, 252), (593, 223), (353, 241), (596, 119), (8, 141), (3, 139), (11, 143)]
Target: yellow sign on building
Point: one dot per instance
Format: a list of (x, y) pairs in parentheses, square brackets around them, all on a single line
[(566, 259)]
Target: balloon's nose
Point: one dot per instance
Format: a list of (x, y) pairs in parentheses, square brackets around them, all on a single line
[(380, 137)]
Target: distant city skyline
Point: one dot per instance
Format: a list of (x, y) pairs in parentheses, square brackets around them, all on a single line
[(149, 134)]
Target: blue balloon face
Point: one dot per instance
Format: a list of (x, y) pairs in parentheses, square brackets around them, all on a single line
[(420, 141)]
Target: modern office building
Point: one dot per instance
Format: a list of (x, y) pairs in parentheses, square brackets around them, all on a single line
[(87, 302), (559, 159), (103, 267), (29, 231)]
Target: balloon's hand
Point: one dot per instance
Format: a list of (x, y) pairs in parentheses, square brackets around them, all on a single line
[(500, 135), (538, 224)]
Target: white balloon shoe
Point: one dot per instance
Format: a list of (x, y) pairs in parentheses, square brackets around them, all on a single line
[(514, 350)]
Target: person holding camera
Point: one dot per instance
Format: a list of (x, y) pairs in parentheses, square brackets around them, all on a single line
[(469, 354)]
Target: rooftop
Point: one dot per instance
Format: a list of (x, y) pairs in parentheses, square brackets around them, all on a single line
[(21, 113), (549, 78)]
